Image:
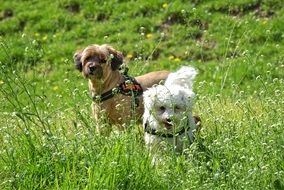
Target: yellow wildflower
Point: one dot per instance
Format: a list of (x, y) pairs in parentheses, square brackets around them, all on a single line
[(264, 22), (177, 59), (1, 82), (165, 5), (171, 57), (129, 56), (44, 38), (55, 88), (149, 35)]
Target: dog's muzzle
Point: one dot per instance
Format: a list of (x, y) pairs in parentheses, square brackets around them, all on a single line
[(94, 71), (149, 130)]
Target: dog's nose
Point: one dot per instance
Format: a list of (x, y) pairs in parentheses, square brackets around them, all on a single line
[(168, 120), (92, 68)]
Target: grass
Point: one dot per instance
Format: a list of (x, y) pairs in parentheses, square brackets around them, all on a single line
[(47, 134)]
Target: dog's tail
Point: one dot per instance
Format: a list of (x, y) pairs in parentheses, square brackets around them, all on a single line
[(183, 77)]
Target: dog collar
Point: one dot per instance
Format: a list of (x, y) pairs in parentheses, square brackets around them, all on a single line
[(151, 131), (129, 87)]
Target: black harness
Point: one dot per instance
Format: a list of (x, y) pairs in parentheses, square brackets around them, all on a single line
[(151, 131), (129, 87)]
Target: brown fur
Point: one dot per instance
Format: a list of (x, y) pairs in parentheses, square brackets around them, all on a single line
[(99, 64)]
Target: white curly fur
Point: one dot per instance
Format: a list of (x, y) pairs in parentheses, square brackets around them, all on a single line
[(168, 108)]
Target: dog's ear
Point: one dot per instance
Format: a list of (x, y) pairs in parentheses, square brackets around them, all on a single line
[(116, 59), (77, 60)]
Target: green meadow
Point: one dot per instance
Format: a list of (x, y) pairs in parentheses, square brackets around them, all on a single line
[(47, 133)]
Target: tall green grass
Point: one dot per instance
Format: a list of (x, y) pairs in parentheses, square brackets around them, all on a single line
[(56, 146)]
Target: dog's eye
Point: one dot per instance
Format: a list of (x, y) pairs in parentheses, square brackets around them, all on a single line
[(102, 61), (162, 108), (87, 59)]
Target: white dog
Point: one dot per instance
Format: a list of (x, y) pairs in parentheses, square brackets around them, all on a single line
[(168, 111)]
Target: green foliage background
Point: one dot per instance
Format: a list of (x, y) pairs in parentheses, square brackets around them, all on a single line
[(46, 129)]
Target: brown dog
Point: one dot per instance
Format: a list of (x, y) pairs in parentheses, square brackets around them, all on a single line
[(116, 96)]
